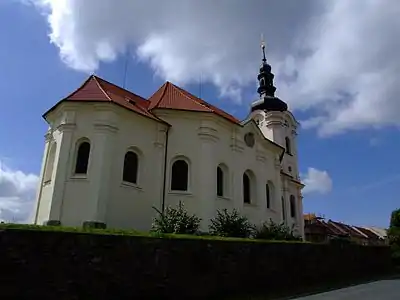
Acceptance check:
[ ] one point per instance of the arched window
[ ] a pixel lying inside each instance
(180, 176)
(50, 162)
(246, 188)
(82, 158)
(288, 146)
(220, 182)
(268, 195)
(292, 206)
(283, 209)
(249, 187)
(131, 164)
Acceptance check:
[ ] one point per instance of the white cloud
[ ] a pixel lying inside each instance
(17, 194)
(337, 59)
(317, 181)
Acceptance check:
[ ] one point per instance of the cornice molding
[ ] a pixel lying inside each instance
(100, 127)
(260, 156)
(48, 136)
(66, 127)
(208, 133)
(237, 145)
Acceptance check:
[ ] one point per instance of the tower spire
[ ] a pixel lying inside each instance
(266, 87)
(265, 77)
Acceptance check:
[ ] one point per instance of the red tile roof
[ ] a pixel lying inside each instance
(168, 96)
(96, 89)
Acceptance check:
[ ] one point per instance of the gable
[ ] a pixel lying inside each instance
(252, 127)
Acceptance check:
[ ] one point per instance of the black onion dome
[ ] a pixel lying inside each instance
(270, 104)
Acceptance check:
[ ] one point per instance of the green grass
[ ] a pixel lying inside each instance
(124, 232)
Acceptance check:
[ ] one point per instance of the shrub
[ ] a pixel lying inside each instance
(175, 220)
(231, 225)
(273, 231)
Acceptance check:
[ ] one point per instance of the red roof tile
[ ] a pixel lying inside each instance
(100, 90)
(170, 96)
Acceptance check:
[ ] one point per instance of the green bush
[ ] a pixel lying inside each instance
(273, 231)
(175, 220)
(231, 224)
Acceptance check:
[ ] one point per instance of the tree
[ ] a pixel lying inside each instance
(394, 235)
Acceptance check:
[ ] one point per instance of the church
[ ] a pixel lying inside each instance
(111, 156)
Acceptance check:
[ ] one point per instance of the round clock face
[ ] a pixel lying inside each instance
(249, 139)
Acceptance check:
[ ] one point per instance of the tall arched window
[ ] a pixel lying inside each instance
(283, 209)
(180, 176)
(292, 206)
(288, 146)
(246, 188)
(131, 164)
(50, 162)
(220, 182)
(82, 158)
(268, 195)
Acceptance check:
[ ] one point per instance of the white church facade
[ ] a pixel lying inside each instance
(111, 156)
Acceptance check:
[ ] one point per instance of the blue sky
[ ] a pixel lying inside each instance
(361, 163)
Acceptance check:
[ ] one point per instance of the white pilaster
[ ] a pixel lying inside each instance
(61, 171)
(208, 169)
(100, 170)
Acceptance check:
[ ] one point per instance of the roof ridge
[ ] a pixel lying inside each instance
(165, 85)
(117, 86)
(101, 88)
(79, 88)
(180, 90)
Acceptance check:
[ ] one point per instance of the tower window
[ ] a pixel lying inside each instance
(82, 158)
(130, 171)
(288, 146)
(180, 176)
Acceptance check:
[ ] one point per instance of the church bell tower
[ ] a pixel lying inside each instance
(271, 114)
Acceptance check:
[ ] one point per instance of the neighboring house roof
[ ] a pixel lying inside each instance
(170, 96)
(348, 229)
(379, 231)
(370, 234)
